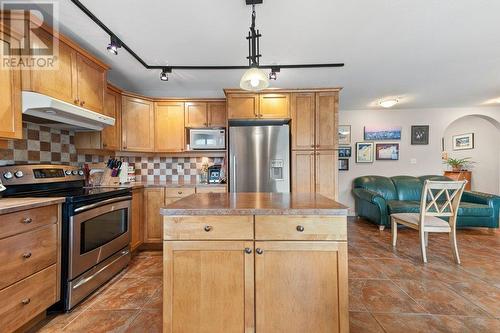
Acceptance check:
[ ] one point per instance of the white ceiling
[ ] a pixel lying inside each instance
(434, 53)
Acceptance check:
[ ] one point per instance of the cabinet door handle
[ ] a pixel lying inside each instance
(27, 255)
(27, 220)
(248, 250)
(26, 301)
(179, 192)
(300, 228)
(208, 228)
(259, 250)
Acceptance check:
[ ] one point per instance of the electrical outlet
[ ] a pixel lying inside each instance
(413, 161)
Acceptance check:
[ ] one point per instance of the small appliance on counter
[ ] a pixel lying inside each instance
(214, 174)
(207, 139)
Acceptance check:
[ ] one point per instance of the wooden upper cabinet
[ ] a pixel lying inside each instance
(169, 126)
(326, 120)
(60, 83)
(303, 171)
(217, 114)
(243, 106)
(137, 124)
(10, 94)
(208, 286)
(326, 173)
(312, 303)
(303, 119)
(196, 114)
(111, 135)
(91, 80)
(274, 106)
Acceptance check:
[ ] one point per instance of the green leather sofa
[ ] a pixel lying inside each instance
(378, 197)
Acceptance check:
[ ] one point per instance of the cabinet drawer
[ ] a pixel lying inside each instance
(286, 227)
(208, 227)
(27, 298)
(180, 192)
(25, 254)
(22, 221)
(210, 189)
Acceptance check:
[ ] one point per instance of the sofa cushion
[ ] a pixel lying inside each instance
(381, 185)
(408, 187)
(465, 208)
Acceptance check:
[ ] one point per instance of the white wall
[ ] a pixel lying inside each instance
(486, 152)
(428, 157)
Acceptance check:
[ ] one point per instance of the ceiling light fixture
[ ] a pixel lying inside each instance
(114, 45)
(388, 103)
(253, 67)
(273, 75)
(164, 73)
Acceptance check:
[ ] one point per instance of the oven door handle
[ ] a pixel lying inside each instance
(102, 203)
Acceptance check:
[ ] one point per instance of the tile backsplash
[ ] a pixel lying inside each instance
(41, 144)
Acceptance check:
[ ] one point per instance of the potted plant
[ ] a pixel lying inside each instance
(458, 164)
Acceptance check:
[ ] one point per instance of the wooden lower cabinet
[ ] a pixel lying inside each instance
(216, 285)
(327, 173)
(208, 286)
(303, 180)
(154, 199)
(315, 171)
(136, 218)
(299, 287)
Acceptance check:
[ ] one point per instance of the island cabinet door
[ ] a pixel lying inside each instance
(301, 287)
(208, 286)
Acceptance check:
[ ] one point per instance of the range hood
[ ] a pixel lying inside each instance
(51, 112)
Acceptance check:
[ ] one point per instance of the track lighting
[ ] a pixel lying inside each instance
(114, 45)
(272, 75)
(164, 73)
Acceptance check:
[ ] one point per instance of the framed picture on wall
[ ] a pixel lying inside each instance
(463, 141)
(364, 152)
(343, 164)
(382, 133)
(345, 152)
(344, 134)
(420, 135)
(387, 151)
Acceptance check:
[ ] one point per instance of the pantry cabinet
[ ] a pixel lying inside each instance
(138, 124)
(10, 92)
(314, 127)
(169, 127)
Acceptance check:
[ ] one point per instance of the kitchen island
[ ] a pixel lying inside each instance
(255, 262)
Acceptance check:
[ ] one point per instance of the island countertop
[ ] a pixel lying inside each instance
(255, 204)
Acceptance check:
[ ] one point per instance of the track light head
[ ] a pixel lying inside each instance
(273, 75)
(164, 73)
(114, 45)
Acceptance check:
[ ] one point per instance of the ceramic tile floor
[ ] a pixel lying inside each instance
(389, 290)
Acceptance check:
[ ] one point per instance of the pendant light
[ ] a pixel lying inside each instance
(254, 78)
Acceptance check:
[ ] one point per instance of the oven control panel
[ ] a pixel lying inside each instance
(39, 173)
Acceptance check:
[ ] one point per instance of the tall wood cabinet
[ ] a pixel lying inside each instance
(137, 124)
(10, 92)
(314, 142)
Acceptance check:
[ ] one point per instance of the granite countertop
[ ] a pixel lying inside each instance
(134, 185)
(10, 205)
(255, 204)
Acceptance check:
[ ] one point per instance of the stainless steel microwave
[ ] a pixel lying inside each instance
(213, 139)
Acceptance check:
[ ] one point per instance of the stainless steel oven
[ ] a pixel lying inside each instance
(99, 236)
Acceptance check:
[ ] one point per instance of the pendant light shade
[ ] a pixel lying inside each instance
(254, 79)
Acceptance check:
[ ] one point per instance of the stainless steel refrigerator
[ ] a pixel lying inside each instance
(259, 158)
